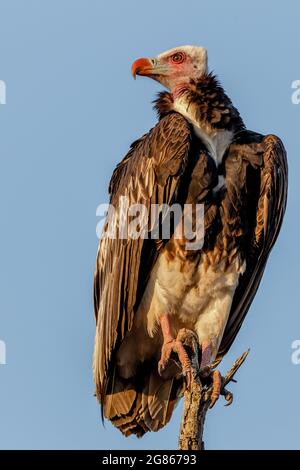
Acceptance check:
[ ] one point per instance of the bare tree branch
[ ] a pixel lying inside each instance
(197, 398)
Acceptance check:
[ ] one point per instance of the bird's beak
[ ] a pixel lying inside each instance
(147, 68)
(144, 67)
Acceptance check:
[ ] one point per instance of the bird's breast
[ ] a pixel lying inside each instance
(190, 289)
(216, 140)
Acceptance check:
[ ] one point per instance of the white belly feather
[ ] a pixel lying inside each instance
(196, 297)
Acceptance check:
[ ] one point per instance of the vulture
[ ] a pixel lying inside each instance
(149, 290)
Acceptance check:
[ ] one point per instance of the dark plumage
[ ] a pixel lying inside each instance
(171, 164)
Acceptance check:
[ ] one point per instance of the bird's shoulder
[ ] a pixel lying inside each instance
(164, 150)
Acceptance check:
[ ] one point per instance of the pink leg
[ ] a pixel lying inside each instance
(170, 344)
(206, 349)
(166, 328)
(205, 370)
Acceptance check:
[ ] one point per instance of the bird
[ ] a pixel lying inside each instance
(150, 290)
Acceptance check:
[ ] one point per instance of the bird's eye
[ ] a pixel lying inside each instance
(178, 57)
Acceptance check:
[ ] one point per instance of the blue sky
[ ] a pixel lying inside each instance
(72, 110)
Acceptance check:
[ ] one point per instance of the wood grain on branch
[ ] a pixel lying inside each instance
(197, 398)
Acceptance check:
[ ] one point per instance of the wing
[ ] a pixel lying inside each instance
(151, 173)
(270, 204)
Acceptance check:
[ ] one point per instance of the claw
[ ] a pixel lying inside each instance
(216, 382)
(228, 396)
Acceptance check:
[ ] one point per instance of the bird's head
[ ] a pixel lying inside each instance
(174, 67)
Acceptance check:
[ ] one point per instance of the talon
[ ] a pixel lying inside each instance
(228, 396)
(229, 400)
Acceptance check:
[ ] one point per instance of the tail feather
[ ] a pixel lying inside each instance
(159, 389)
(141, 404)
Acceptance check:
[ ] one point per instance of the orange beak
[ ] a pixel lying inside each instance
(142, 67)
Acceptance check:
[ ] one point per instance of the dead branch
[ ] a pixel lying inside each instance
(197, 398)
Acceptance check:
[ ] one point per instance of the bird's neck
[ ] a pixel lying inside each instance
(203, 101)
(206, 106)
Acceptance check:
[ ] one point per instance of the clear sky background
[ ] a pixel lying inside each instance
(72, 110)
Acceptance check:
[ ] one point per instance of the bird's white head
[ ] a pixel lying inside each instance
(174, 67)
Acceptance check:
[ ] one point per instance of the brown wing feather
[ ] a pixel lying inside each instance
(271, 204)
(151, 173)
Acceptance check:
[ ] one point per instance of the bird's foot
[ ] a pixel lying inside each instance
(214, 378)
(168, 366)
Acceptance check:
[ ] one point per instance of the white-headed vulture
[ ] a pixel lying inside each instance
(148, 289)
